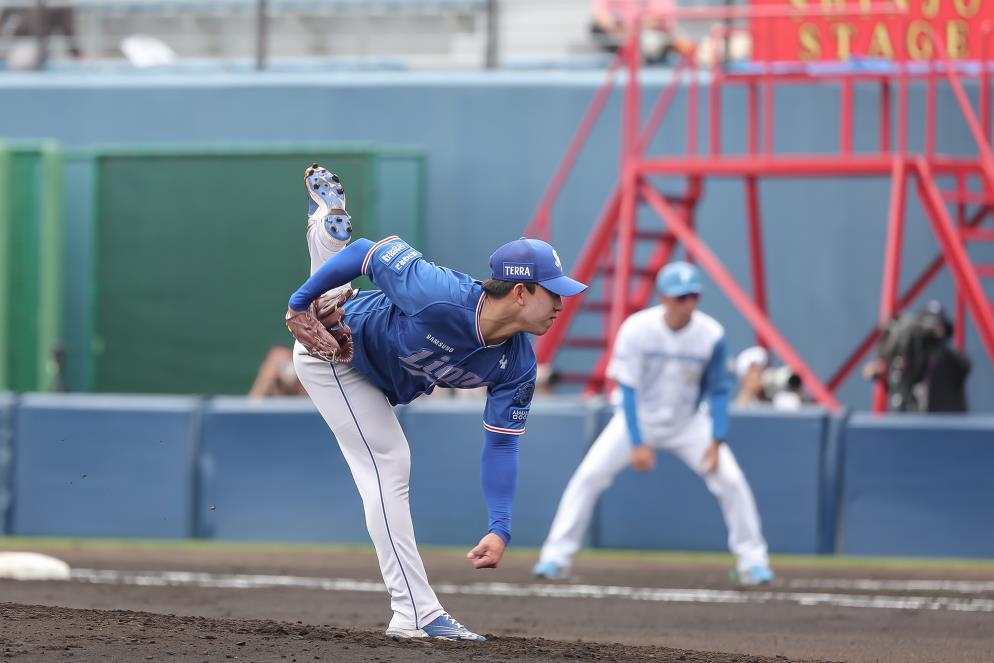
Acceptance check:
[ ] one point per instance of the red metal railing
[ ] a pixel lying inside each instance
(610, 251)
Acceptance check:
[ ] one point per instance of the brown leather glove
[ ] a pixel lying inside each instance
(328, 310)
(321, 329)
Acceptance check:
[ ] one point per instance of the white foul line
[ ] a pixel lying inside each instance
(959, 586)
(657, 594)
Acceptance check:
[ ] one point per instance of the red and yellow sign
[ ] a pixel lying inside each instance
(850, 28)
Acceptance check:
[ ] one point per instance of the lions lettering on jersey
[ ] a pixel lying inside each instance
(440, 370)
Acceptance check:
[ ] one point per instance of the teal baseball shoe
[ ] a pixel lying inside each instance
(551, 570)
(755, 575)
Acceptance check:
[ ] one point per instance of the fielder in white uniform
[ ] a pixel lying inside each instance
(666, 360)
(426, 326)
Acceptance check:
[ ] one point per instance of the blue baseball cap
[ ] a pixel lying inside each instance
(533, 261)
(678, 278)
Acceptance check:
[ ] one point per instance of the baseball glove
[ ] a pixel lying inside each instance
(321, 328)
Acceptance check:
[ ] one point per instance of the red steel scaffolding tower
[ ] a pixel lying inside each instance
(628, 287)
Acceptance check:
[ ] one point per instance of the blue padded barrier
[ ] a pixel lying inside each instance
(446, 438)
(918, 485)
(104, 466)
(6, 458)
(831, 481)
(781, 454)
(273, 471)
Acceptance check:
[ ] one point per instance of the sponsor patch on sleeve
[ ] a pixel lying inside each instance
(405, 259)
(519, 414)
(393, 250)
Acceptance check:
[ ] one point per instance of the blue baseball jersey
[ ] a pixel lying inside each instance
(422, 330)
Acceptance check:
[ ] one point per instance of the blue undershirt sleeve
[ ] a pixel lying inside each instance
(499, 477)
(630, 408)
(714, 383)
(337, 270)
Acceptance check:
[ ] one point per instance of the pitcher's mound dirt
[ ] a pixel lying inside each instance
(42, 633)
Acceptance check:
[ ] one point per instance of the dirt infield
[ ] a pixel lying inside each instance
(206, 604)
(119, 635)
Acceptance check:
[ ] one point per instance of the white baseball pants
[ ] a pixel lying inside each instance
(611, 453)
(377, 452)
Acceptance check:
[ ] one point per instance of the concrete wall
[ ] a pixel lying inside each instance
(492, 140)
(232, 469)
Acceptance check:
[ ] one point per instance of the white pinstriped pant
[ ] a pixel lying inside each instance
(611, 453)
(377, 452)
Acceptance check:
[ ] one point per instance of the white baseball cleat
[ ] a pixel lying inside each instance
(326, 202)
(443, 627)
(324, 189)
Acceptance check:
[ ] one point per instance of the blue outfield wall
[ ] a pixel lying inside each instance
(782, 456)
(6, 459)
(104, 466)
(235, 469)
(272, 470)
(446, 444)
(918, 483)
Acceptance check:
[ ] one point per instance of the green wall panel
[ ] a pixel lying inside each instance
(5, 262)
(32, 249)
(400, 175)
(197, 252)
(78, 268)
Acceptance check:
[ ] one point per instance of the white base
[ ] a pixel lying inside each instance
(32, 566)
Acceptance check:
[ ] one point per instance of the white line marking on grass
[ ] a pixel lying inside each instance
(959, 586)
(662, 595)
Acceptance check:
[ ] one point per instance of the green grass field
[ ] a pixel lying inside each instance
(718, 559)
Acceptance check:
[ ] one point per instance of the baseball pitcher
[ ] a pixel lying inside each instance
(360, 354)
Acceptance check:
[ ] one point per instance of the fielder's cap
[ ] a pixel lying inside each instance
(678, 278)
(533, 261)
(754, 356)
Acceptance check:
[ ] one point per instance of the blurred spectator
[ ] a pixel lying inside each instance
(276, 376)
(759, 384)
(715, 48)
(19, 31)
(921, 371)
(749, 367)
(660, 36)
